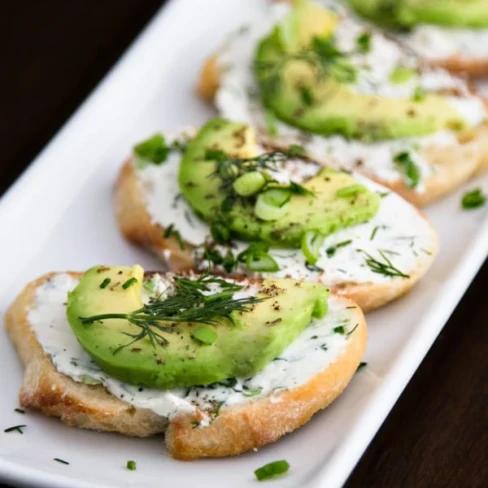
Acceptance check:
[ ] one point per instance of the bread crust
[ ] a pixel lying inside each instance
(472, 151)
(235, 430)
(54, 394)
(136, 226)
(472, 67)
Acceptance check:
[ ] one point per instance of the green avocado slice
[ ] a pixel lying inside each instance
(408, 13)
(314, 91)
(315, 207)
(194, 353)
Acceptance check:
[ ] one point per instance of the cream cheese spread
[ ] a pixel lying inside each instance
(438, 42)
(317, 347)
(397, 230)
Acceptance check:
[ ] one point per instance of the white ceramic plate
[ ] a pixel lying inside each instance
(59, 217)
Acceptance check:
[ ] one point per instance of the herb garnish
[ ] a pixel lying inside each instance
(156, 150)
(187, 303)
(385, 268)
(363, 42)
(332, 250)
(411, 171)
(129, 283)
(271, 470)
(15, 428)
(105, 283)
(131, 465)
(172, 232)
(473, 199)
(361, 366)
(62, 461)
(19, 410)
(323, 56)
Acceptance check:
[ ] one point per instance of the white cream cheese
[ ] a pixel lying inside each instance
(317, 347)
(237, 99)
(401, 232)
(435, 42)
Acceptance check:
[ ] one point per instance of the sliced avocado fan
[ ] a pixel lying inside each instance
(227, 183)
(149, 343)
(310, 84)
(408, 13)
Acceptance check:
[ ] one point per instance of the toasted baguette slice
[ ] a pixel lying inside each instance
(452, 163)
(237, 428)
(137, 226)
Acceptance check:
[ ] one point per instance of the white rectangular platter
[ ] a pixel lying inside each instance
(58, 216)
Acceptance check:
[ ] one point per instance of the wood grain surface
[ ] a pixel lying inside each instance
(54, 52)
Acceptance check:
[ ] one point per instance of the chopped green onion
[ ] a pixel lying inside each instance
(205, 335)
(261, 262)
(220, 232)
(339, 329)
(363, 42)
(406, 163)
(321, 308)
(62, 461)
(129, 283)
(271, 122)
(350, 190)
(306, 95)
(19, 410)
(131, 465)
(105, 283)
(361, 366)
(297, 151)
(271, 204)
(252, 392)
(419, 94)
(15, 428)
(473, 199)
(154, 150)
(249, 183)
(401, 74)
(271, 470)
(312, 243)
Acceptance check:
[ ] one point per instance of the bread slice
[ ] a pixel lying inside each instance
(236, 429)
(138, 227)
(452, 163)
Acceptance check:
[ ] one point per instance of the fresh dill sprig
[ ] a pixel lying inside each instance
(228, 168)
(384, 267)
(322, 55)
(189, 301)
(171, 231)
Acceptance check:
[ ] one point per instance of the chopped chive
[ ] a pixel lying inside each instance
(171, 231)
(473, 199)
(411, 171)
(330, 251)
(419, 94)
(15, 428)
(363, 42)
(204, 335)
(375, 230)
(306, 95)
(154, 150)
(129, 283)
(352, 330)
(252, 392)
(271, 470)
(351, 190)
(271, 123)
(62, 461)
(131, 465)
(339, 329)
(19, 410)
(105, 283)
(361, 366)
(323, 346)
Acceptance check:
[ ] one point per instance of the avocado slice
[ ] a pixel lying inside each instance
(317, 208)
(315, 92)
(195, 354)
(408, 13)
(453, 13)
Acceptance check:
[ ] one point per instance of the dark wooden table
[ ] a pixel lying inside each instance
(52, 55)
